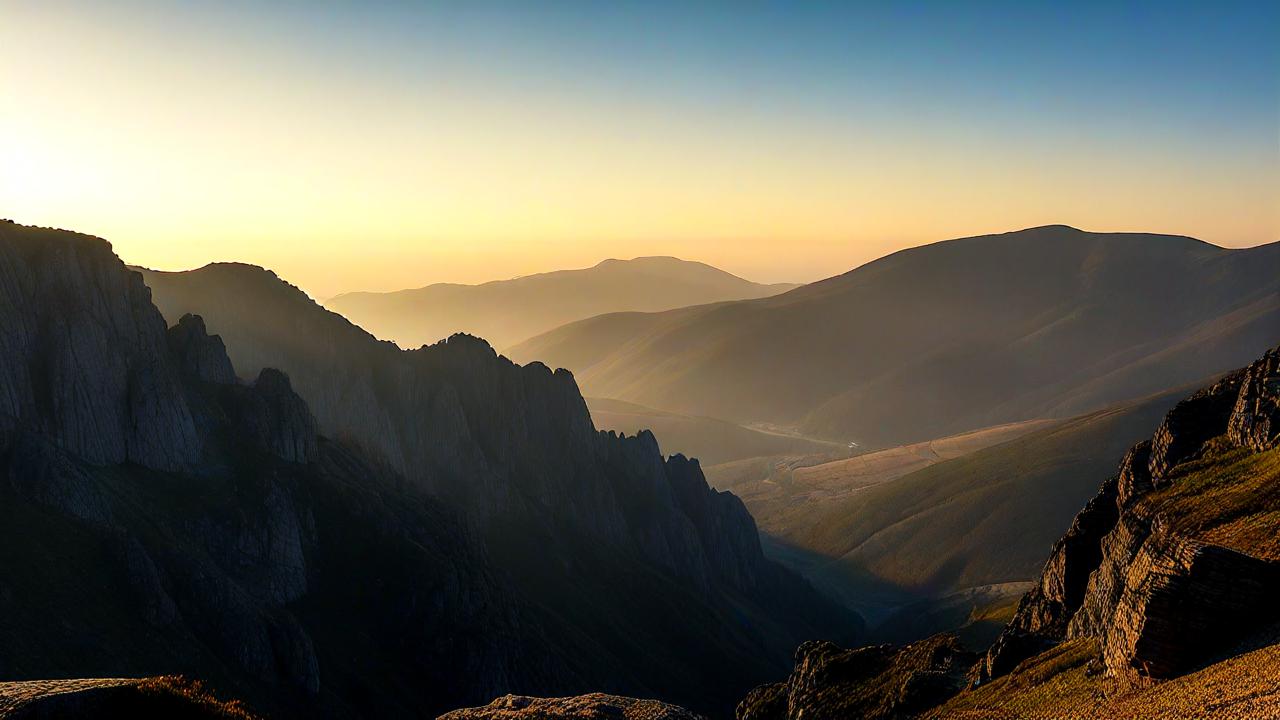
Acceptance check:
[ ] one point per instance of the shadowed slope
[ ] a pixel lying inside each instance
(954, 336)
(642, 567)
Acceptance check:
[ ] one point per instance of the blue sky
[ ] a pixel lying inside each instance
(471, 140)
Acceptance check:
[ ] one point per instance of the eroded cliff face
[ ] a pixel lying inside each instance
(559, 505)
(347, 528)
(85, 356)
(157, 515)
(1171, 562)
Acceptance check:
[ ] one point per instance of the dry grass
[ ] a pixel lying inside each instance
(884, 465)
(1060, 685)
(168, 688)
(787, 492)
(1229, 497)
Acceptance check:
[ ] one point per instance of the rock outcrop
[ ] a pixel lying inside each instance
(85, 353)
(1163, 572)
(595, 706)
(158, 697)
(278, 420)
(1255, 418)
(198, 353)
(874, 683)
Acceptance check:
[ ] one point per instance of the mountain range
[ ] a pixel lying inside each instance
(623, 548)
(270, 499)
(944, 338)
(505, 312)
(1158, 601)
(254, 491)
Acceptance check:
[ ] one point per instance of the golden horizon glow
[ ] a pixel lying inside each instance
(181, 150)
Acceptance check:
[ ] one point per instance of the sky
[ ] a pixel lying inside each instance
(380, 145)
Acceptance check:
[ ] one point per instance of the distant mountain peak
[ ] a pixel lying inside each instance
(507, 311)
(649, 260)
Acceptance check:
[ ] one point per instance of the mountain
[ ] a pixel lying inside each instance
(368, 532)
(1157, 602)
(158, 516)
(655, 582)
(505, 312)
(940, 339)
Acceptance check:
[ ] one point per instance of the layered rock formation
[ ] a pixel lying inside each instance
(1173, 560)
(1172, 568)
(559, 505)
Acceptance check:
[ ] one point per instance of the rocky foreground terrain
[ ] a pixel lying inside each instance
(158, 697)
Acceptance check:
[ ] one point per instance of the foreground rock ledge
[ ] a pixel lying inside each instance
(582, 707)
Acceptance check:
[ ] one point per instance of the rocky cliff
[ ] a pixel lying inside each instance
(85, 358)
(1171, 571)
(1176, 558)
(631, 550)
(156, 515)
(347, 528)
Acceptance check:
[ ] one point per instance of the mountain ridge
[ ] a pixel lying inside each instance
(356, 530)
(943, 338)
(507, 311)
(558, 504)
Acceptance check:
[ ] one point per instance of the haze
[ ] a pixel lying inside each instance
(385, 146)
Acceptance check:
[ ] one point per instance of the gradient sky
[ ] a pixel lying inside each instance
(389, 145)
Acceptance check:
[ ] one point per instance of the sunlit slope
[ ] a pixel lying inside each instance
(508, 311)
(1060, 683)
(954, 336)
(710, 440)
(979, 519)
(786, 493)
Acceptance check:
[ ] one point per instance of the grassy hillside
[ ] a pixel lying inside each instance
(786, 493)
(984, 518)
(1062, 683)
(1228, 497)
(505, 312)
(944, 338)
